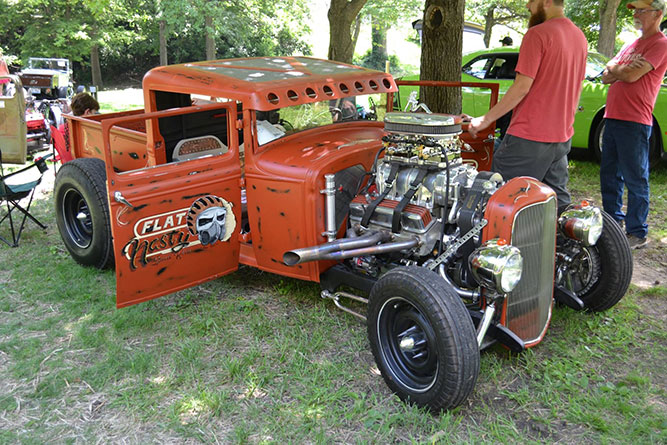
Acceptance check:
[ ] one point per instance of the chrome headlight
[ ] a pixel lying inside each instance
(582, 223)
(497, 265)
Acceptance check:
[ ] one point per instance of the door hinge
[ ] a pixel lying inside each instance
(239, 124)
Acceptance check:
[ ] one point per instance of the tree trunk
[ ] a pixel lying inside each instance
(441, 53)
(95, 65)
(489, 21)
(607, 39)
(343, 28)
(210, 38)
(379, 40)
(163, 42)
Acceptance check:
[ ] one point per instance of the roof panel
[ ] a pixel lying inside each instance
(266, 82)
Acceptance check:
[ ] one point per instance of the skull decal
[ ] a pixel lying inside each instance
(212, 219)
(211, 225)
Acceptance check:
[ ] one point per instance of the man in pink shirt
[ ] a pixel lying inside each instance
(544, 97)
(635, 75)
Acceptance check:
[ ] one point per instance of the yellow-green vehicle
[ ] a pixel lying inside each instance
(497, 65)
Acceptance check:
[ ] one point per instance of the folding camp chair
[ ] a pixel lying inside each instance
(12, 194)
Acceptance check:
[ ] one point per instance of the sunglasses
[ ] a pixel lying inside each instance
(642, 11)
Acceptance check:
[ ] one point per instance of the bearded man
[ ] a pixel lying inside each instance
(544, 97)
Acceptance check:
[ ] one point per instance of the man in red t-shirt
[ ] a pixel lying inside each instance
(635, 75)
(544, 97)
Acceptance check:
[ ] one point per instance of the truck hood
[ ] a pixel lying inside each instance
(294, 156)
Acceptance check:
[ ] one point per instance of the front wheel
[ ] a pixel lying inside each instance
(599, 275)
(422, 338)
(82, 212)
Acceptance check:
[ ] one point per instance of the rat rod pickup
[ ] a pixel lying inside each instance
(285, 165)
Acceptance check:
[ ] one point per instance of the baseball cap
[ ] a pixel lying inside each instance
(507, 40)
(649, 4)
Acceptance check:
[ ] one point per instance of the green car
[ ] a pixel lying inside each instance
(497, 65)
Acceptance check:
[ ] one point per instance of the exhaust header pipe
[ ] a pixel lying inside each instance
(348, 248)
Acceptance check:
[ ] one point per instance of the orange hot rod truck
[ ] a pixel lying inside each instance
(285, 166)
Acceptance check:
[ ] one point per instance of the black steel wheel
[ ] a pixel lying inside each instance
(82, 212)
(422, 338)
(600, 275)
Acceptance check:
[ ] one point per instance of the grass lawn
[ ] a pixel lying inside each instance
(258, 358)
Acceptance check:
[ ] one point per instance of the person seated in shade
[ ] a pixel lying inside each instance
(83, 104)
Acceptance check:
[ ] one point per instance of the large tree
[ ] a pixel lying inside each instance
(600, 20)
(607, 36)
(442, 43)
(343, 28)
(382, 15)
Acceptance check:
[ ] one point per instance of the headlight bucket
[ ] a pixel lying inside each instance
(582, 223)
(497, 265)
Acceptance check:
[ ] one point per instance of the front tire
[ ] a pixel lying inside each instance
(82, 212)
(600, 275)
(422, 338)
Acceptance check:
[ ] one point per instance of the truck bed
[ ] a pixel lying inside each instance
(128, 140)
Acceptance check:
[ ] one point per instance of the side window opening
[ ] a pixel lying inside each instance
(190, 136)
(478, 68)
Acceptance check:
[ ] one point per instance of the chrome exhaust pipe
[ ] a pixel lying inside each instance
(371, 250)
(315, 253)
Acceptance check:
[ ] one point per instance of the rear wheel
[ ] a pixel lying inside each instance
(600, 275)
(422, 338)
(82, 212)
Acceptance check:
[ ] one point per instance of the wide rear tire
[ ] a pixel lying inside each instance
(82, 212)
(600, 275)
(422, 338)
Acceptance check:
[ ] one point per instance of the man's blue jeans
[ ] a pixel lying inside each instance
(625, 147)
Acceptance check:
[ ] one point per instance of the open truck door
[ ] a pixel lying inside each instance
(12, 120)
(176, 225)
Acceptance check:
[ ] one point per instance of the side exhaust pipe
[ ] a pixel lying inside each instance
(348, 248)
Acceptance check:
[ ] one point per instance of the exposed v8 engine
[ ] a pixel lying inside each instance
(423, 182)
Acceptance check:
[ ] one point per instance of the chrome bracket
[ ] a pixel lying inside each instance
(336, 299)
(485, 323)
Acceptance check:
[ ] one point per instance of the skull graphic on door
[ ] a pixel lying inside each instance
(212, 219)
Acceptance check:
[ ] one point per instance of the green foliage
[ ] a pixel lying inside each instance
(389, 12)
(511, 13)
(127, 31)
(585, 14)
(373, 61)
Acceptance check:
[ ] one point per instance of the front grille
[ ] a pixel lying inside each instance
(529, 304)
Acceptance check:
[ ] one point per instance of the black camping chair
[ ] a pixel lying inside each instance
(12, 194)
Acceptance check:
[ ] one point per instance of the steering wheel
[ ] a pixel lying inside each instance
(336, 114)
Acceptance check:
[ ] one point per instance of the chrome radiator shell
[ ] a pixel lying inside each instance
(524, 212)
(529, 305)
